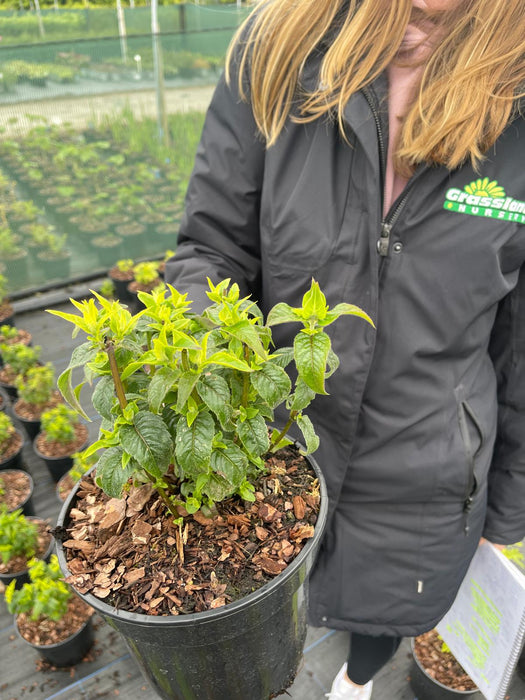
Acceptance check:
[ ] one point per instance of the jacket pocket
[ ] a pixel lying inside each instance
(473, 440)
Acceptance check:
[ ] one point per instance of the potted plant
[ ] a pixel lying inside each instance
(16, 490)
(436, 674)
(21, 539)
(9, 335)
(108, 248)
(162, 264)
(49, 617)
(6, 309)
(121, 274)
(11, 443)
(61, 435)
(17, 359)
(36, 394)
(54, 258)
(145, 279)
(12, 253)
(81, 465)
(211, 511)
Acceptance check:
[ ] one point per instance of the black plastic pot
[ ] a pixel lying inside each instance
(57, 466)
(22, 577)
(68, 652)
(4, 400)
(248, 650)
(121, 290)
(27, 505)
(427, 688)
(31, 427)
(15, 461)
(9, 389)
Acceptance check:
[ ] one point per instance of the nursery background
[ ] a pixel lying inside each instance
(101, 107)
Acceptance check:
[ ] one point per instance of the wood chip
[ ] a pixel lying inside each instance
(271, 566)
(115, 511)
(268, 513)
(140, 531)
(261, 533)
(299, 507)
(86, 547)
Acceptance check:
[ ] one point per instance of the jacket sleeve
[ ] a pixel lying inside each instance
(505, 523)
(219, 235)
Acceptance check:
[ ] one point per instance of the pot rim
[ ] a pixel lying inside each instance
(464, 693)
(29, 479)
(205, 616)
(53, 458)
(5, 461)
(56, 645)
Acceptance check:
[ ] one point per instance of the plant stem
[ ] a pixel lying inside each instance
(117, 381)
(289, 423)
(162, 493)
(245, 379)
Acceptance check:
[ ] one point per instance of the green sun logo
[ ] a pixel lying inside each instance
(485, 188)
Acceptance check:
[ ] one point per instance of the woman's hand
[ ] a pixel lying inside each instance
(501, 547)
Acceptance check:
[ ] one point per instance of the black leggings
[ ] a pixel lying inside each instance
(368, 655)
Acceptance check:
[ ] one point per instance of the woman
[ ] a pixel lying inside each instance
(378, 147)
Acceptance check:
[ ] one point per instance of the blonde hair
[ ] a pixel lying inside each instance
(468, 90)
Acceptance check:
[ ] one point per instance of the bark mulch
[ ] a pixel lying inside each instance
(44, 631)
(130, 553)
(441, 665)
(16, 487)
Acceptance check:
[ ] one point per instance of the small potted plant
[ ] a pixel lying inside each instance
(134, 237)
(145, 279)
(12, 253)
(81, 465)
(61, 435)
(11, 443)
(194, 477)
(162, 264)
(436, 674)
(16, 490)
(21, 539)
(107, 289)
(49, 617)
(36, 393)
(7, 312)
(107, 247)
(17, 359)
(121, 274)
(10, 335)
(54, 258)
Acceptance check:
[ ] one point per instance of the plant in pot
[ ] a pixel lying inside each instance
(21, 539)
(121, 274)
(162, 264)
(436, 674)
(21, 212)
(54, 258)
(9, 335)
(12, 253)
(145, 279)
(11, 443)
(48, 617)
(81, 465)
(36, 393)
(108, 248)
(16, 490)
(7, 312)
(206, 511)
(61, 435)
(17, 359)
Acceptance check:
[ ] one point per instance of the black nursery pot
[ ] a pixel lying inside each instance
(57, 466)
(250, 649)
(15, 461)
(27, 506)
(22, 577)
(427, 688)
(68, 652)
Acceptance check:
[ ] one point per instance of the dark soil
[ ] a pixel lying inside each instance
(117, 274)
(59, 449)
(16, 486)
(45, 631)
(13, 445)
(19, 563)
(441, 665)
(31, 411)
(6, 311)
(130, 553)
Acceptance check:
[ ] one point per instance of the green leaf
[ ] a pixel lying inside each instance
(230, 463)
(282, 313)
(253, 433)
(306, 427)
(103, 397)
(272, 383)
(314, 303)
(347, 310)
(71, 393)
(247, 333)
(111, 475)
(226, 359)
(148, 441)
(247, 491)
(192, 504)
(302, 396)
(194, 443)
(282, 357)
(187, 382)
(217, 488)
(161, 382)
(215, 393)
(311, 354)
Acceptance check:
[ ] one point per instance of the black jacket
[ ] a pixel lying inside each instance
(425, 421)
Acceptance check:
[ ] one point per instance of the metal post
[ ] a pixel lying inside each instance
(162, 117)
(39, 17)
(122, 32)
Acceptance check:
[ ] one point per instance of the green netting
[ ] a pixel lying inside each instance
(94, 156)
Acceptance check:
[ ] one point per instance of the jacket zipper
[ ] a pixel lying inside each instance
(383, 243)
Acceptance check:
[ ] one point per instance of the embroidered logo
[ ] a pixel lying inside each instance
(485, 198)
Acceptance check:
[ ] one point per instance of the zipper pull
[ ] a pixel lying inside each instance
(384, 240)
